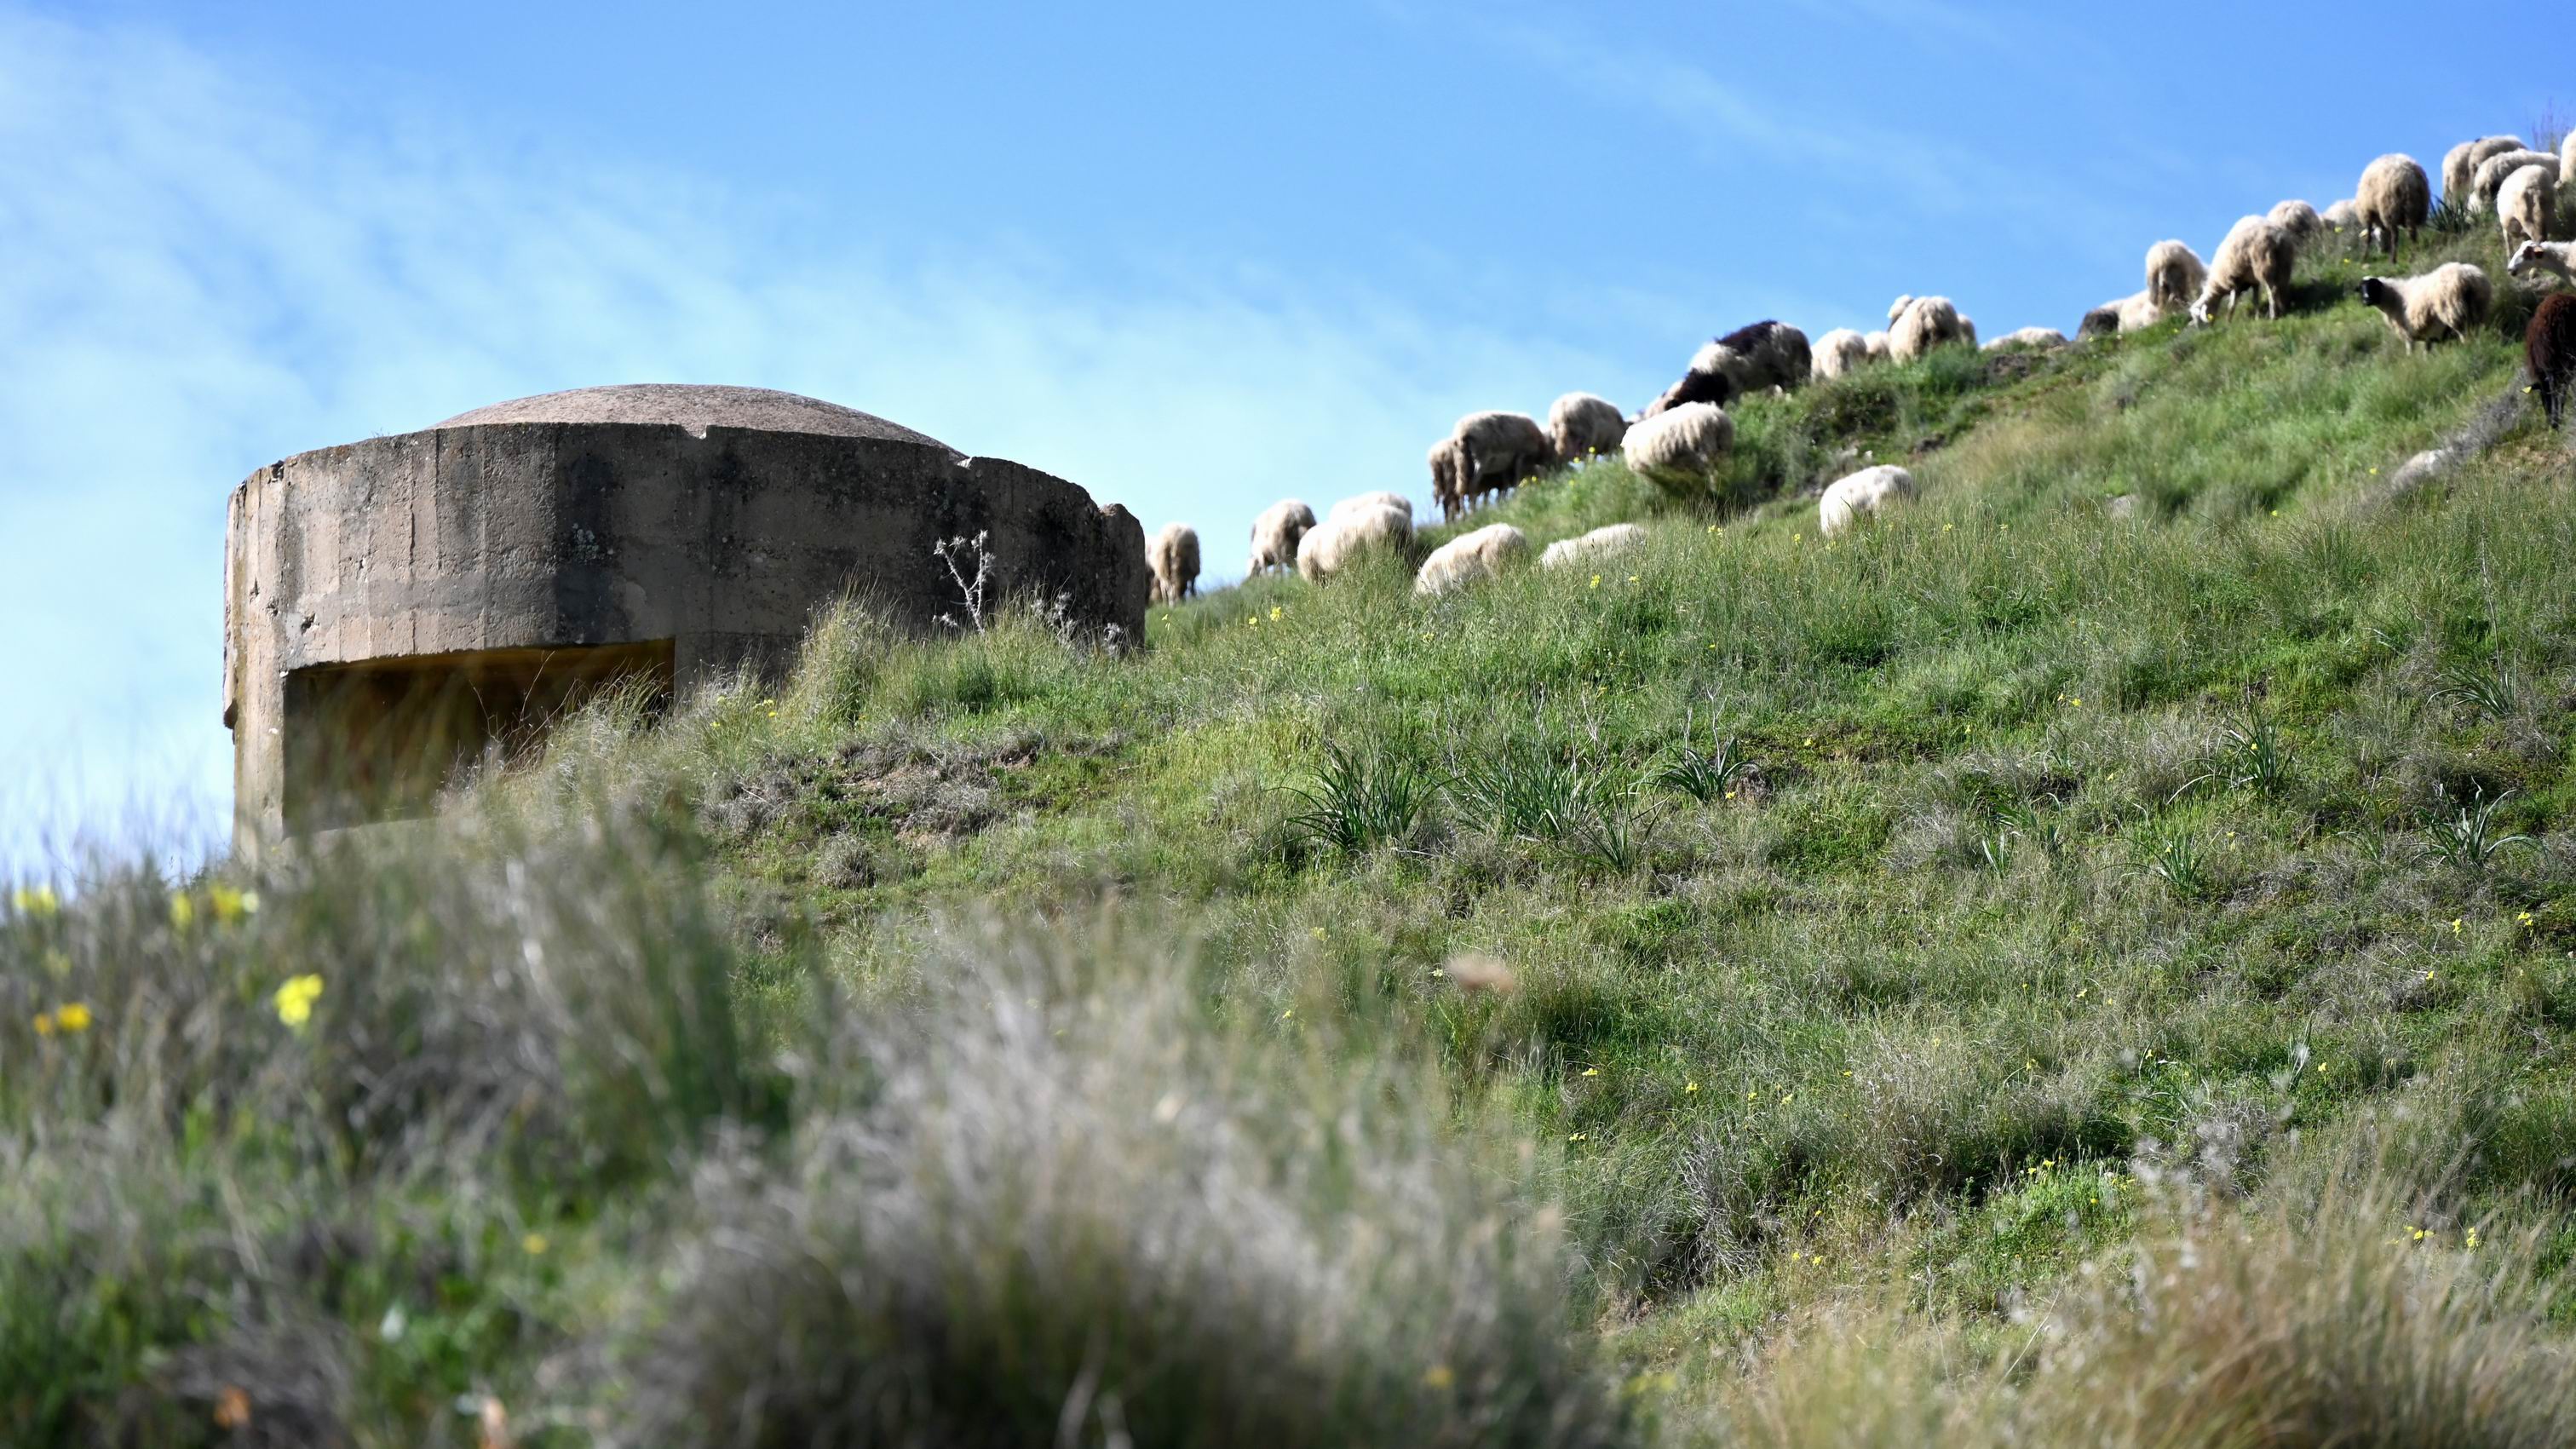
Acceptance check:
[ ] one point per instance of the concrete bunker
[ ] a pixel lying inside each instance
(399, 609)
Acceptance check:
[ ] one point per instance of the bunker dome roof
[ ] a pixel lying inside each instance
(696, 407)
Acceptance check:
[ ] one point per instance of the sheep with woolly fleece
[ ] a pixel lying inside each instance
(1897, 308)
(2133, 313)
(2460, 163)
(1866, 491)
(1928, 322)
(1680, 450)
(2525, 203)
(2174, 275)
(1877, 344)
(1492, 452)
(2102, 321)
(1331, 546)
(2567, 160)
(2394, 195)
(2028, 337)
(2549, 349)
(1762, 356)
(1581, 425)
(1275, 534)
(1447, 458)
(1477, 554)
(1592, 547)
(2255, 254)
(2541, 256)
(2446, 301)
(1840, 352)
(2297, 218)
(1711, 387)
(2339, 216)
(2493, 171)
(1380, 499)
(1173, 557)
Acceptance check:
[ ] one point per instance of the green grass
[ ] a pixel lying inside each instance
(2014, 972)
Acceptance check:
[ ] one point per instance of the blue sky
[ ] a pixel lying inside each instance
(1194, 258)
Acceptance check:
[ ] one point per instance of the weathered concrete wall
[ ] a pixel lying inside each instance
(724, 539)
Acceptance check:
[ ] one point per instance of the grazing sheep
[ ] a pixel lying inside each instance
(1581, 426)
(1839, 352)
(1681, 448)
(2493, 171)
(1968, 329)
(1504, 450)
(1599, 544)
(2255, 254)
(1275, 534)
(2525, 202)
(1174, 559)
(2446, 301)
(2133, 313)
(1479, 554)
(1447, 459)
(2461, 163)
(2102, 321)
(2339, 216)
(2175, 274)
(1331, 546)
(2539, 256)
(1380, 499)
(1866, 491)
(1877, 343)
(1764, 355)
(2297, 218)
(2567, 160)
(1927, 322)
(2029, 337)
(2394, 196)
(2549, 347)
(1714, 388)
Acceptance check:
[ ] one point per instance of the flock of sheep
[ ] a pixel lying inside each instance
(1682, 435)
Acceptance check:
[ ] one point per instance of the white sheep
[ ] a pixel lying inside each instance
(2297, 218)
(1358, 502)
(1877, 344)
(1839, 352)
(1331, 546)
(2567, 160)
(1592, 547)
(2255, 254)
(2525, 203)
(1447, 459)
(1496, 452)
(2339, 216)
(1275, 534)
(1926, 323)
(1680, 448)
(1478, 554)
(2540, 256)
(2175, 274)
(1174, 559)
(2493, 171)
(2461, 163)
(2028, 337)
(1866, 491)
(1582, 426)
(2394, 196)
(1897, 308)
(2445, 301)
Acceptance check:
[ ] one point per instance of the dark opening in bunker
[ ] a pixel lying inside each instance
(377, 740)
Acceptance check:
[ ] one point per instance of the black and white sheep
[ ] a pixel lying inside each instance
(2525, 203)
(2394, 196)
(2493, 171)
(2297, 218)
(2175, 274)
(1477, 554)
(1275, 534)
(2549, 348)
(1680, 448)
(2537, 256)
(2444, 302)
(1173, 557)
(1581, 425)
(2460, 163)
(1765, 355)
(2255, 254)
(1840, 352)
(1867, 491)
(2133, 313)
(1926, 323)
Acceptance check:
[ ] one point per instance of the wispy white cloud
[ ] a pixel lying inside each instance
(207, 273)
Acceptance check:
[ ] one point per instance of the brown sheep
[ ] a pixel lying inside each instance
(2549, 346)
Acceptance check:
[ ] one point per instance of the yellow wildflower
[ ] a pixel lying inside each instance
(35, 900)
(72, 1017)
(44, 1023)
(1437, 1376)
(1690, 1086)
(1275, 611)
(182, 910)
(1596, 581)
(534, 1244)
(230, 905)
(1591, 1071)
(294, 1000)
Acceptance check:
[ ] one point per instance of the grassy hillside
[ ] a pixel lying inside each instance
(2033, 970)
